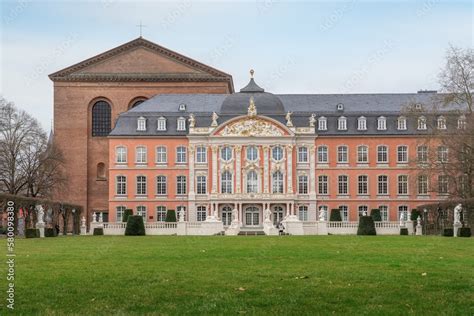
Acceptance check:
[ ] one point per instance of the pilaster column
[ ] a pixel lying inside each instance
(265, 168)
(238, 167)
(191, 171)
(289, 168)
(312, 171)
(214, 168)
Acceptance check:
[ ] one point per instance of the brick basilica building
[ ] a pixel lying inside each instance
(145, 128)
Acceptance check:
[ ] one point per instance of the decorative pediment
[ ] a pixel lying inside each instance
(252, 127)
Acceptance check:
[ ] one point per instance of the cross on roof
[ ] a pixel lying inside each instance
(141, 26)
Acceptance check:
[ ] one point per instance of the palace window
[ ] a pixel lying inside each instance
(277, 153)
(303, 213)
(323, 185)
(362, 123)
(101, 119)
(201, 154)
(121, 185)
(302, 154)
(161, 155)
(161, 185)
(462, 122)
(322, 124)
(344, 210)
(362, 209)
(226, 182)
(201, 213)
(226, 215)
(363, 185)
(423, 184)
(161, 125)
(141, 185)
(140, 154)
(322, 154)
(181, 124)
(161, 213)
(422, 123)
(403, 212)
(277, 182)
(226, 153)
(443, 185)
(441, 122)
(121, 154)
(180, 154)
(342, 154)
(181, 185)
(403, 184)
(362, 154)
(119, 213)
(141, 124)
(201, 185)
(252, 182)
(383, 212)
(303, 184)
(381, 123)
(382, 185)
(141, 211)
(343, 185)
(252, 153)
(402, 123)
(342, 123)
(382, 154)
(422, 154)
(402, 154)
(443, 154)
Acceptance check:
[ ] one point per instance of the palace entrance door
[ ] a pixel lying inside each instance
(252, 216)
(277, 214)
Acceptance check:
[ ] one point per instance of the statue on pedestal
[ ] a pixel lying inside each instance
(267, 213)
(181, 215)
(457, 213)
(234, 215)
(289, 123)
(312, 120)
(40, 210)
(83, 221)
(94, 217)
(402, 220)
(322, 216)
(191, 120)
(214, 119)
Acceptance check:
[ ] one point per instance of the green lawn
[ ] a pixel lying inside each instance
(105, 275)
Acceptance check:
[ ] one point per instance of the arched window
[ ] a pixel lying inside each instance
(277, 153)
(226, 153)
(362, 123)
(101, 119)
(342, 123)
(462, 122)
(441, 122)
(277, 182)
(252, 182)
(136, 102)
(402, 123)
(101, 170)
(252, 153)
(362, 154)
(322, 124)
(226, 182)
(421, 123)
(161, 125)
(381, 123)
(181, 124)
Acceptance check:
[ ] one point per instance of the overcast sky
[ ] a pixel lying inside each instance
(307, 47)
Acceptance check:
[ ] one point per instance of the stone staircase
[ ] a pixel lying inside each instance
(251, 231)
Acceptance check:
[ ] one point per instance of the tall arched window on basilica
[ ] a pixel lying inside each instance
(101, 171)
(101, 119)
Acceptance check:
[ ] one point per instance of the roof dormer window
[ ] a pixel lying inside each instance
(161, 124)
(141, 124)
(322, 123)
(181, 124)
(342, 123)
(422, 123)
(340, 107)
(402, 123)
(441, 122)
(362, 123)
(182, 107)
(382, 123)
(462, 122)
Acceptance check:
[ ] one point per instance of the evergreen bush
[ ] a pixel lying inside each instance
(464, 232)
(126, 214)
(375, 213)
(135, 226)
(404, 231)
(170, 216)
(335, 215)
(50, 232)
(32, 233)
(448, 232)
(414, 215)
(98, 231)
(366, 226)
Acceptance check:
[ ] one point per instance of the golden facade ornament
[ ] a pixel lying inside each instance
(252, 127)
(252, 110)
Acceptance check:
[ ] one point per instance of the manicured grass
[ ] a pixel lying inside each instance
(353, 275)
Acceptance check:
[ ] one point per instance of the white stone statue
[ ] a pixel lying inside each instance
(409, 216)
(312, 120)
(457, 213)
(83, 221)
(289, 123)
(364, 213)
(322, 216)
(94, 217)
(234, 215)
(402, 220)
(40, 210)
(216, 213)
(191, 120)
(101, 217)
(181, 215)
(252, 110)
(418, 221)
(214, 119)
(267, 214)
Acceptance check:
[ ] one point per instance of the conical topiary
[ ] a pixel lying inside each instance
(375, 213)
(366, 226)
(135, 226)
(335, 215)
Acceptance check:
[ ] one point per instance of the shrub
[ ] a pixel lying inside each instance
(32, 233)
(126, 214)
(98, 231)
(135, 226)
(464, 232)
(170, 216)
(414, 215)
(375, 213)
(448, 232)
(3, 230)
(50, 232)
(366, 226)
(404, 231)
(335, 215)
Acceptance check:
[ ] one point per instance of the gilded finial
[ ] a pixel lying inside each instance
(251, 73)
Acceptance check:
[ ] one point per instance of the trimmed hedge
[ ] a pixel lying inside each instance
(404, 231)
(170, 216)
(366, 226)
(464, 232)
(414, 215)
(50, 232)
(375, 213)
(128, 212)
(135, 226)
(32, 233)
(98, 231)
(448, 232)
(335, 215)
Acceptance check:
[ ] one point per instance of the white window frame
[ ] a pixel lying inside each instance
(226, 153)
(342, 123)
(249, 151)
(362, 184)
(302, 154)
(181, 185)
(201, 154)
(382, 153)
(141, 154)
(421, 123)
(201, 184)
(121, 186)
(323, 184)
(401, 123)
(121, 154)
(382, 123)
(277, 153)
(382, 184)
(402, 187)
(181, 155)
(278, 182)
(161, 124)
(303, 183)
(343, 152)
(342, 184)
(161, 213)
(141, 124)
(303, 213)
(362, 123)
(161, 155)
(181, 124)
(323, 154)
(141, 184)
(363, 152)
(226, 182)
(161, 185)
(322, 124)
(402, 154)
(441, 122)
